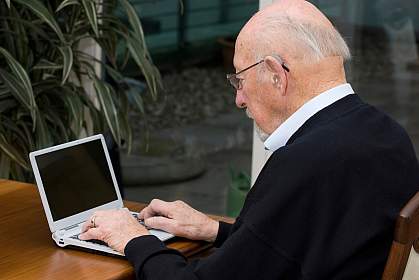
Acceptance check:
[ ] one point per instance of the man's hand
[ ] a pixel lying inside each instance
(115, 227)
(179, 219)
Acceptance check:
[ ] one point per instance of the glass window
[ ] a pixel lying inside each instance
(384, 71)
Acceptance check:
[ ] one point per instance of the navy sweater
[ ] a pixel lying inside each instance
(323, 206)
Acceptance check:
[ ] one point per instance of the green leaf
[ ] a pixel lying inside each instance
(133, 19)
(66, 3)
(28, 135)
(42, 12)
(60, 128)
(90, 10)
(93, 114)
(11, 152)
(18, 71)
(75, 108)
(137, 52)
(20, 37)
(182, 7)
(4, 166)
(42, 133)
(8, 3)
(107, 105)
(67, 53)
(44, 64)
(116, 76)
(19, 92)
(133, 94)
(12, 127)
(46, 86)
(7, 38)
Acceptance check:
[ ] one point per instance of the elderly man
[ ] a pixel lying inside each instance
(325, 203)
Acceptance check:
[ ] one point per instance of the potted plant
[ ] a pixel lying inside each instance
(43, 100)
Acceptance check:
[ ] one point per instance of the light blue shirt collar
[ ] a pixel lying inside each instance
(284, 132)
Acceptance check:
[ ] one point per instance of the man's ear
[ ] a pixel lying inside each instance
(273, 65)
(276, 81)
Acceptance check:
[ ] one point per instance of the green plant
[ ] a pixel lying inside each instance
(237, 192)
(42, 69)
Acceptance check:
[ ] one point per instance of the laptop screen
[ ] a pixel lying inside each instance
(76, 179)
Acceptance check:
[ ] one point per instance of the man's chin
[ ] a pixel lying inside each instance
(261, 134)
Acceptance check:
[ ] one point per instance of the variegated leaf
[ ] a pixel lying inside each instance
(67, 54)
(11, 152)
(43, 134)
(19, 92)
(90, 10)
(44, 64)
(75, 108)
(134, 20)
(133, 94)
(61, 128)
(19, 73)
(108, 107)
(143, 63)
(25, 128)
(66, 3)
(42, 12)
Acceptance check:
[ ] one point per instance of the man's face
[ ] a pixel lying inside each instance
(256, 93)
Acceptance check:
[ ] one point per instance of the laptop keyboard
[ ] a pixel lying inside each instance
(100, 242)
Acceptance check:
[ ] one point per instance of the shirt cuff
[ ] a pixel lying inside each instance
(223, 233)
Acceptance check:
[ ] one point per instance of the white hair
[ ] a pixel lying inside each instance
(319, 41)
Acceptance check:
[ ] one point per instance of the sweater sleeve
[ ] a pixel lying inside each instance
(242, 256)
(222, 235)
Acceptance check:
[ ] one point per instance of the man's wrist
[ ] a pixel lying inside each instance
(134, 234)
(212, 230)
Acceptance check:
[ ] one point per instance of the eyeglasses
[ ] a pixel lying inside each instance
(236, 82)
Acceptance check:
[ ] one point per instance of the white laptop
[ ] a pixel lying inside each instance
(74, 180)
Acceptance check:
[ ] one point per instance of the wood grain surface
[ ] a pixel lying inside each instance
(27, 250)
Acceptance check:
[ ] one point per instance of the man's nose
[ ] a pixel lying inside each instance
(240, 102)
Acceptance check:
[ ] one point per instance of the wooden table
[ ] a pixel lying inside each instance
(28, 252)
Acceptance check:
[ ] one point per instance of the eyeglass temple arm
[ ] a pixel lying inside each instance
(286, 68)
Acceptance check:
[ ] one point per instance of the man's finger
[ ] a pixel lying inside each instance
(162, 223)
(142, 212)
(88, 224)
(92, 233)
(156, 207)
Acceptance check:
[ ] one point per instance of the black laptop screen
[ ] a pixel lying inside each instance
(76, 179)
